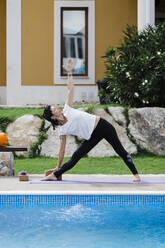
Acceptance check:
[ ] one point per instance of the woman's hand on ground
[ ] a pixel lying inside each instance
(48, 172)
(50, 177)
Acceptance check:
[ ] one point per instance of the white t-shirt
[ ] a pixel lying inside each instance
(78, 123)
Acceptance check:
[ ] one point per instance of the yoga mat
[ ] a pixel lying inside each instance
(99, 181)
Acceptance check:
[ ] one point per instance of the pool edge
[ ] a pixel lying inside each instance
(82, 192)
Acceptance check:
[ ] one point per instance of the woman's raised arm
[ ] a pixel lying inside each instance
(69, 100)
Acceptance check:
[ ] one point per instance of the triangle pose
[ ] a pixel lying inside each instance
(90, 127)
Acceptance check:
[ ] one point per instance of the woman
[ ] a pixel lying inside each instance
(90, 127)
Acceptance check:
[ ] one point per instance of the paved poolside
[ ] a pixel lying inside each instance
(156, 185)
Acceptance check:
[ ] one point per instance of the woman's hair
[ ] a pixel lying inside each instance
(48, 114)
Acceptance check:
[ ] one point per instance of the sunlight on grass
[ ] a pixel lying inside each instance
(111, 165)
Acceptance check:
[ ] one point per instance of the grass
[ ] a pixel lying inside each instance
(114, 165)
(13, 113)
(8, 115)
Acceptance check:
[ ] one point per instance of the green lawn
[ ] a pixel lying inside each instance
(13, 113)
(144, 164)
(8, 115)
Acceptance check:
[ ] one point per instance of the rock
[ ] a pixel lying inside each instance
(118, 116)
(24, 131)
(147, 126)
(103, 148)
(50, 147)
(6, 164)
(4, 170)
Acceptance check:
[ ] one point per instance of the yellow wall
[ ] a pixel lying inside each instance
(112, 16)
(38, 42)
(2, 42)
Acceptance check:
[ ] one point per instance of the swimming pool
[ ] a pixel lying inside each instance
(90, 221)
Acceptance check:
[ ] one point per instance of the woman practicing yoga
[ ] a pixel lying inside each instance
(90, 127)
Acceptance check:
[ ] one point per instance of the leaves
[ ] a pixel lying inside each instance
(137, 66)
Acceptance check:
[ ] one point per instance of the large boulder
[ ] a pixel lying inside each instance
(23, 131)
(147, 126)
(50, 147)
(118, 116)
(103, 148)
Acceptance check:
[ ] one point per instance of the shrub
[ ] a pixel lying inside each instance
(136, 69)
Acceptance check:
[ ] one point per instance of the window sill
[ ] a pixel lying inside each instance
(75, 77)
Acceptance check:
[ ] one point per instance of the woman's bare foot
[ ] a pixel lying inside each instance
(50, 177)
(137, 178)
(48, 172)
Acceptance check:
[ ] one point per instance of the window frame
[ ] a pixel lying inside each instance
(86, 39)
(78, 80)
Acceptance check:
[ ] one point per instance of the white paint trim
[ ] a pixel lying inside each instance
(150, 12)
(13, 50)
(18, 94)
(91, 41)
(146, 13)
(52, 95)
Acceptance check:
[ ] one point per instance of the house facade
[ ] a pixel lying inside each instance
(37, 37)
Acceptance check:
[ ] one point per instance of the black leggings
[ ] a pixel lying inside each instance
(103, 130)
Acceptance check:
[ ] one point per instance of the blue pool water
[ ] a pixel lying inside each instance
(82, 221)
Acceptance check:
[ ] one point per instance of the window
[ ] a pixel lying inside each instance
(159, 11)
(74, 36)
(72, 48)
(80, 48)
(80, 45)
